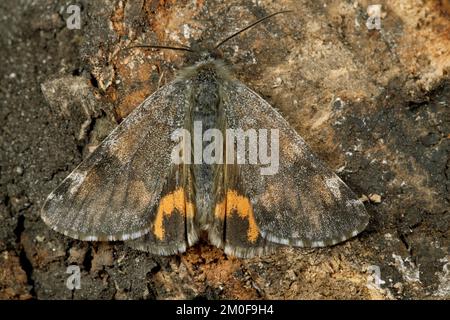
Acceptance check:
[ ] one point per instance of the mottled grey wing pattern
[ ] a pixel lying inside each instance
(305, 204)
(115, 193)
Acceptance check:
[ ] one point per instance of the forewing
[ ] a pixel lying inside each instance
(304, 203)
(115, 193)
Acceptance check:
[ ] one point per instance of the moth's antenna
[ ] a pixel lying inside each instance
(249, 26)
(160, 47)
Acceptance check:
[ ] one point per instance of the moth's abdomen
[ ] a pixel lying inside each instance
(205, 114)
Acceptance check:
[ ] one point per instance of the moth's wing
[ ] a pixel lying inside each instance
(127, 186)
(302, 204)
(234, 227)
(173, 226)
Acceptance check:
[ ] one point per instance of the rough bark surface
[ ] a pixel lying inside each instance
(373, 104)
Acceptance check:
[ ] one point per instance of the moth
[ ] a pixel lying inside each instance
(129, 189)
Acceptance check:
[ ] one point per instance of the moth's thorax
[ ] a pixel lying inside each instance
(201, 67)
(205, 93)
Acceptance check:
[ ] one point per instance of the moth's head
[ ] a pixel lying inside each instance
(203, 51)
(206, 50)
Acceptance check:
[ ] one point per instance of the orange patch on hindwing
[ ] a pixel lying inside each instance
(167, 205)
(234, 202)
